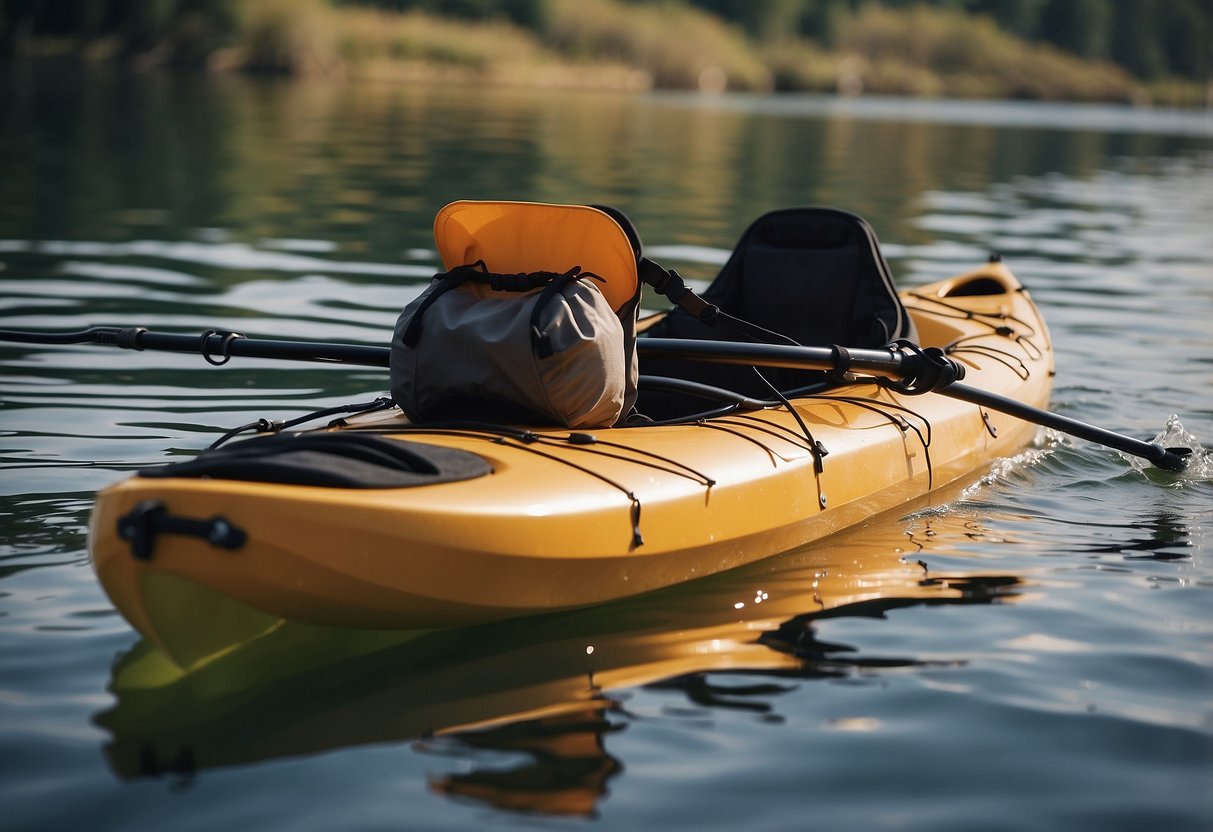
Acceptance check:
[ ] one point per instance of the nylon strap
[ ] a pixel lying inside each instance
(669, 283)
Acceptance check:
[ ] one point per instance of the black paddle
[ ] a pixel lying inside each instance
(911, 370)
(920, 371)
(216, 346)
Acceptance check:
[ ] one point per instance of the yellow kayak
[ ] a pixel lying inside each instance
(491, 523)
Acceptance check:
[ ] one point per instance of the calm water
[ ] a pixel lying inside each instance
(1034, 653)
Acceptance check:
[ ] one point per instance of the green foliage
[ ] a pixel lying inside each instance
(1149, 39)
(1018, 17)
(927, 51)
(184, 30)
(1078, 26)
(1189, 37)
(764, 19)
(523, 12)
(952, 47)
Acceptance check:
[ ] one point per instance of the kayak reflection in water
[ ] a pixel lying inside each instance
(547, 687)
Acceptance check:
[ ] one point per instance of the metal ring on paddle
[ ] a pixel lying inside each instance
(225, 346)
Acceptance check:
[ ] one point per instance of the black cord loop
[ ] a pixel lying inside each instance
(225, 346)
(927, 371)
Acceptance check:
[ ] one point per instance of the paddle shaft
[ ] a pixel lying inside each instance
(898, 364)
(218, 347)
(883, 362)
(1171, 459)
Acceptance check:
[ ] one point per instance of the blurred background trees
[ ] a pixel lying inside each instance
(799, 42)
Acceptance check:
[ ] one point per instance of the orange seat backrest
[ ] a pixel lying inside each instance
(512, 237)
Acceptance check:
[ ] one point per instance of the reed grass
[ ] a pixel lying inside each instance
(678, 46)
(932, 51)
(912, 50)
(308, 37)
(287, 36)
(368, 36)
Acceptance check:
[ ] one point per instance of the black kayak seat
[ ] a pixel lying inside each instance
(815, 275)
(341, 459)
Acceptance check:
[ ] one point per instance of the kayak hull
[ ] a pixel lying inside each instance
(572, 519)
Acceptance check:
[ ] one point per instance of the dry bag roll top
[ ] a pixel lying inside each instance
(513, 237)
(533, 322)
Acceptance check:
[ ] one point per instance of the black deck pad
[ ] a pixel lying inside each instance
(331, 460)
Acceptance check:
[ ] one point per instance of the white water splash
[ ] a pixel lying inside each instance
(1003, 469)
(999, 471)
(1175, 435)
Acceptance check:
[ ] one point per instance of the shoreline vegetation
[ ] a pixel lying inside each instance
(852, 47)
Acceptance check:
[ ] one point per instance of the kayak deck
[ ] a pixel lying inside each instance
(568, 519)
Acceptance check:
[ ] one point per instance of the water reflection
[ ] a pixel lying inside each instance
(564, 772)
(41, 532)
(1165, 537)
(364, 167)
(544, 688)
